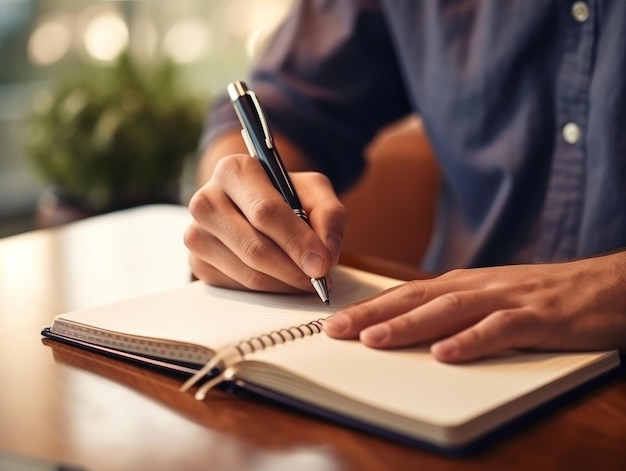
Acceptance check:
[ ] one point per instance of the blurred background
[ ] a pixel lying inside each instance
(74, 73)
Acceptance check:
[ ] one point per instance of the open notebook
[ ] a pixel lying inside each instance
(271, 344)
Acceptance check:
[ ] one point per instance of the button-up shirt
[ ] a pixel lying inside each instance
(524, 103)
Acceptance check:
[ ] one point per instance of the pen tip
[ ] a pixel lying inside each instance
(322, 289)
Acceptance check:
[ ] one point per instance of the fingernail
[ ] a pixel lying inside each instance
(445, 350)
(312, 264)
(333, 242)
(375, 335)
(337, 324)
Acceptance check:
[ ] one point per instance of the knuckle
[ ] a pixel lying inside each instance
(254, 252)
(192, 237)
(451, 303)
(529, 286)
(338, 211)
(365, 315)
(200, 205)
(226, 167)
(474, 337)
(252, 280)
(523, 328)
(510, 321)
(413, 290)
(262, 212)
(293, 243)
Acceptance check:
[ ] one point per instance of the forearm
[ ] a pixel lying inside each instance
(231, 142)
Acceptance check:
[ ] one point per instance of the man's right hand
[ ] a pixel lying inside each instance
(245, 236)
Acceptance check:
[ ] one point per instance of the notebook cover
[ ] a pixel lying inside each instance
(253, 391)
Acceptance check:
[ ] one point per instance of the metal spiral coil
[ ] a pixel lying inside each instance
(229, 356)
(276, 337)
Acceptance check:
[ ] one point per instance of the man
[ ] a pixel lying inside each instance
(525, 107)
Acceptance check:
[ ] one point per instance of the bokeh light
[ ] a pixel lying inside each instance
(49, 42)
(187, 41)
(254, 22)
(106, 36)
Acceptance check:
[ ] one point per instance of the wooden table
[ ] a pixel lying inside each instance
(63, 404)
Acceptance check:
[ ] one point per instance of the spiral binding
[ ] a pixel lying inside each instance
(230, 355)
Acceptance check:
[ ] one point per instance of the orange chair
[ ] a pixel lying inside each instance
(391, 209)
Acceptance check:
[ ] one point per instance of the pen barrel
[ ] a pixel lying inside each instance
(282, 182)
(260, 143)
(265, 151)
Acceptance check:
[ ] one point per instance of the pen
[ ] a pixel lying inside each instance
(258, 138)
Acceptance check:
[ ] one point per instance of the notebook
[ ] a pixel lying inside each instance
(273, 345)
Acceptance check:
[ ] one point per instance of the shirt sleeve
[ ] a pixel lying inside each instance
(328, 80)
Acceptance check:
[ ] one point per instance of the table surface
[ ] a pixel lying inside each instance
(63, 404)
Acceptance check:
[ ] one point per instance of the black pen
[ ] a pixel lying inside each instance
(258, 138)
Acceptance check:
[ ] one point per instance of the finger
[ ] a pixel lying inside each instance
(503, 330)
(215, 277)
(214, 263)
(442, 316)
(210, 275)
(349, 322)
(267, 212)
(217, 219)
(328, 216)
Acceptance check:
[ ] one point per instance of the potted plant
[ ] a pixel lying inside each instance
(113, 137)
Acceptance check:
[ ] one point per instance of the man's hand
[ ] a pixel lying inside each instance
(245, 235)
(473, 313)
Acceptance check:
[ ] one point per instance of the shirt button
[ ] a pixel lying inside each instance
(580, 11)
(571, 133)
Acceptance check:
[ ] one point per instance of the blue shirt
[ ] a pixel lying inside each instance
(524, 103)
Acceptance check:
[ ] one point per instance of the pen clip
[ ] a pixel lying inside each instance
(248, 142)
(259, 111)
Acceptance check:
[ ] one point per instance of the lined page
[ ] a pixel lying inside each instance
(216, 317)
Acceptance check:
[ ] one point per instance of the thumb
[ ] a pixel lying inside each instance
(327, 215)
